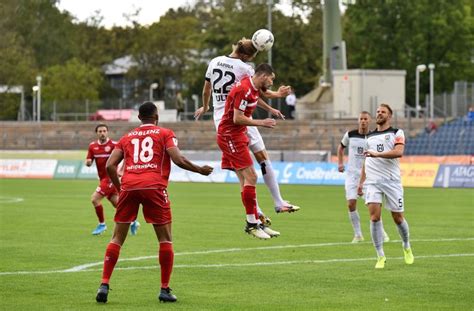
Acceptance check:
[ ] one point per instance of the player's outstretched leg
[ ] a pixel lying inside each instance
(102, 293)
(166, 295)
(281, 206)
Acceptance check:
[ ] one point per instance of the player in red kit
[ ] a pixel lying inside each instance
(233, 141)
(147, 152)
(99, 151)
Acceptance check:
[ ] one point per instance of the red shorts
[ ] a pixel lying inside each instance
(156, 206)
(235, 151)
(106, 188)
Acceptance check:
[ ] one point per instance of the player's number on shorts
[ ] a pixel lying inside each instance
(146, 153)
(226, 86)
(400, 203)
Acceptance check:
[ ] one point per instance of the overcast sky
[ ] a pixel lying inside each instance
(113, 10)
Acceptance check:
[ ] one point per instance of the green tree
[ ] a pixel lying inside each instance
(70, 85)
(400, 34)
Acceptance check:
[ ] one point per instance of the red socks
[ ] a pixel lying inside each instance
(111, 256)
(249, 198)
(166, 258)
(99, 211)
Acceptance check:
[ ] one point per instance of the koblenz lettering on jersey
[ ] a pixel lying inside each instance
(141, 133)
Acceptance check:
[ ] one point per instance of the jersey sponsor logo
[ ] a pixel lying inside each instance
(141, 166)
(243, 104)
(380, 147)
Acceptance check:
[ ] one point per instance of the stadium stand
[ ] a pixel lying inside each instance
(452, 138)
(288, 135)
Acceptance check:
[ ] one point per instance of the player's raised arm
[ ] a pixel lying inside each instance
(115, 158)
(206, 97)
(283, 91)
(180, 160)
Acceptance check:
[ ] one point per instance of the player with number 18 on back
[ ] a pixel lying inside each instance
(148, 151)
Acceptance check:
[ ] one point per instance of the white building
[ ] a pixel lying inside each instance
(357, 90)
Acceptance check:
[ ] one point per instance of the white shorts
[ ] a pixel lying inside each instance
(391, 193)
(255, 139)
(351, 184)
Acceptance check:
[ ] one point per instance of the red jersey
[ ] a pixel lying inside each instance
(242, 96)
(147, 165)
(101, 153)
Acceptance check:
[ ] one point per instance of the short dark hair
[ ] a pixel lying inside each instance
(147, 110)
(264, 69)
(366, 112)
(101, 125)
(388, 108)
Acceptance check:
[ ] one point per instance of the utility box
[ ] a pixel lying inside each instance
(357, 90)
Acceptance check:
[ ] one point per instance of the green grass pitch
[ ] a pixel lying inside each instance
(45, 230)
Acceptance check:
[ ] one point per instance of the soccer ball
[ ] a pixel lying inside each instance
(263, 40)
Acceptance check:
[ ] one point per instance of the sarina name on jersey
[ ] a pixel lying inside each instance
(225, 65)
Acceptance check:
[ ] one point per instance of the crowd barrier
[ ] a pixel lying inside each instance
(305, 173)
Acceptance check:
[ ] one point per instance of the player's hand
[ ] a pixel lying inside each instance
(206, 170)
(199, 113)
(360, 189)
(371, 154)
(284, 90)
(268, 122)
(277, 113)
(340, 168)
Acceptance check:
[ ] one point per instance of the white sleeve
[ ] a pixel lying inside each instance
(209, 71)
(399, 137)
(345, 140)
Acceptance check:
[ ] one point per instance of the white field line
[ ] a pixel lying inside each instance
(85, 267)
(270, 263)
(6, 200)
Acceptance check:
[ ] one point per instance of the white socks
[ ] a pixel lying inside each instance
(404, 232)
(355, 220)
(376, 231)
(271, 182)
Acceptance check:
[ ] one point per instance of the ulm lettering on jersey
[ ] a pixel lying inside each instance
(141, 166)
(221, 98)
(225, 65)
(142, 133)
